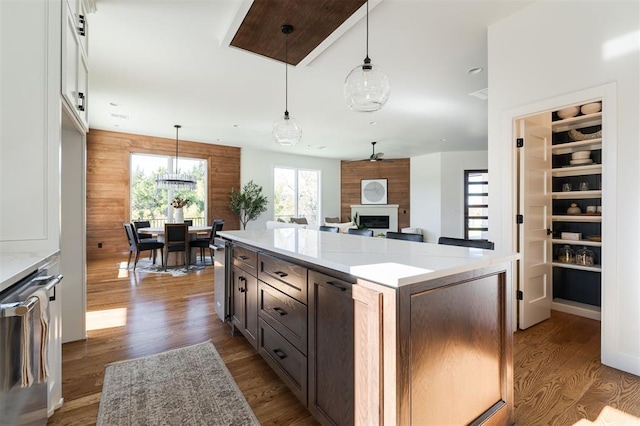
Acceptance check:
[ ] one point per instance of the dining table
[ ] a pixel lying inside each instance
(174, 259)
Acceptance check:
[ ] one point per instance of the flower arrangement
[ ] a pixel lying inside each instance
(179, 203)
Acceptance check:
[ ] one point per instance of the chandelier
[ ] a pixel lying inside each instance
(175, 180)
(366, 88)
(286, 131)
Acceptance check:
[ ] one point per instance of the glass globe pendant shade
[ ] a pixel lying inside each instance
(286, 131)
(366, 88)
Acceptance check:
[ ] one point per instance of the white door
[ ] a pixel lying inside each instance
(534, 272)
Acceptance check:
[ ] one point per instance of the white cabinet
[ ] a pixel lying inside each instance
(578, 183)
(29, 125)
(75, 64)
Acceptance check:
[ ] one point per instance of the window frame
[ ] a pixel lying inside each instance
(467, 206)
(297, 170)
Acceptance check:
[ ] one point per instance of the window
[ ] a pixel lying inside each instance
(476, 204)
(296, 193)
(149, 203)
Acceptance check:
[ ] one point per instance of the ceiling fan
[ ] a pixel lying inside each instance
(376, 156)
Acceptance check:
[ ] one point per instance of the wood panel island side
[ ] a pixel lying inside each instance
(374, 331)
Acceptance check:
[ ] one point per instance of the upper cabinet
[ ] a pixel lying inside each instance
(30, 125)
(75, 62)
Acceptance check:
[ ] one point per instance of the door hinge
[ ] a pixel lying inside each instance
(519, 295)
(519, 142)
(519, 219)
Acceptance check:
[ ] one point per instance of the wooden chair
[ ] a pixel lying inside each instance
(483, 244)
(329, 228)
(364, 232)
(405, 236)
(136, 245)
(176, 238)
(205, 242)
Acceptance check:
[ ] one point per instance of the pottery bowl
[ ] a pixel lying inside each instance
(591, 108)
(581, 155)
(568, 112)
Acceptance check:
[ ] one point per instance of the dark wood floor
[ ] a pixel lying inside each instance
(558, 376)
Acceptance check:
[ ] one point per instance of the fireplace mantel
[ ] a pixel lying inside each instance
(390, 210)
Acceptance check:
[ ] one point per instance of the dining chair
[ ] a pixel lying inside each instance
(176, 238)
(329, 228)
(206, 242)
(405, 236)
(144, 236)
(364, 232)
(136, 245)
(483, 244)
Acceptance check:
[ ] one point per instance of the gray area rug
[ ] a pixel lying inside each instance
(145, 265)
(186, 386)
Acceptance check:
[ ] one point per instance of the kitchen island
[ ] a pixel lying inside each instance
(378, 331)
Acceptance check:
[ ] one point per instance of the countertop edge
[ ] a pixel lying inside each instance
(16, 266)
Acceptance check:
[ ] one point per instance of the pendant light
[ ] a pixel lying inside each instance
(175, 180)
(366, 88)
(286, 131)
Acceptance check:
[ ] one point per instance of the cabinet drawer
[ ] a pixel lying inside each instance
(285, 314)
(287, 277)
(245, 258)
(288, 362)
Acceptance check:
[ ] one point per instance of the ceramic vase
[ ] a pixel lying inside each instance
(179, 215)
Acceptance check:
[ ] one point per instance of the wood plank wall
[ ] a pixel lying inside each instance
(397, 173)
(108, 162)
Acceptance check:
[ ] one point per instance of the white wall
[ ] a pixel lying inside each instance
(426, 189)
(258, 166)
(437, 191)
(555, 48)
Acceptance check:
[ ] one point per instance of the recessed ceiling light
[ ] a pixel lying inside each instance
(113, 104)
(474, 70)
(373, 123)
(321, 147)
(219, 140)
(443, 140)
(237, 126)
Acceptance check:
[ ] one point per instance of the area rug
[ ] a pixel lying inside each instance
(186, 386)
(146, 265)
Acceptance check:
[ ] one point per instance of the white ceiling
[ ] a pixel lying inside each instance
(162, 63)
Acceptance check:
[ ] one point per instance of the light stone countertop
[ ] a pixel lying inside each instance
(15, 266)
(390, 262)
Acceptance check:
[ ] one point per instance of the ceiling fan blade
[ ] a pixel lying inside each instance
(380, 154)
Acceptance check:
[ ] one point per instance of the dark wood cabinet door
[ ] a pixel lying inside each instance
(331, 369)
(244, 304)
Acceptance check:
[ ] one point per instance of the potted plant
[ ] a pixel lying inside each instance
(248, 203)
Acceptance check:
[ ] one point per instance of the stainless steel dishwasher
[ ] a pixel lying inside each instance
(221, 292)
(23, 341)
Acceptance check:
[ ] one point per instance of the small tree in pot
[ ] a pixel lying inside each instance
(249, 203)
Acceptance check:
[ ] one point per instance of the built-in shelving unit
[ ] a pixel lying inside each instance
(576, 287)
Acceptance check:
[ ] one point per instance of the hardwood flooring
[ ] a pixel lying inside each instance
(558, 377)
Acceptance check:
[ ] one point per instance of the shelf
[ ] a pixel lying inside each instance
(575, 195)
(595, 268)
(591, 169)
(577, 218)
(576, 308)
(577, 242)
(577, 122)
(571, 147)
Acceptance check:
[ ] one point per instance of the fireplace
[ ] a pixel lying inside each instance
(381, 217)
(375, 222)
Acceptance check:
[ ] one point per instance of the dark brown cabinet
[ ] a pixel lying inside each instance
(331, 369)
(244, 293)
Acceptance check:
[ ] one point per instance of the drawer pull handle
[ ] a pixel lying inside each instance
(280, 311)
(243, 257)
(281, 274)
(337, 286)
(279, 353)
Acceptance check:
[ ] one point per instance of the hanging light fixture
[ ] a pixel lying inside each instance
(366, 88)
(286, 131)
(175, 180)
